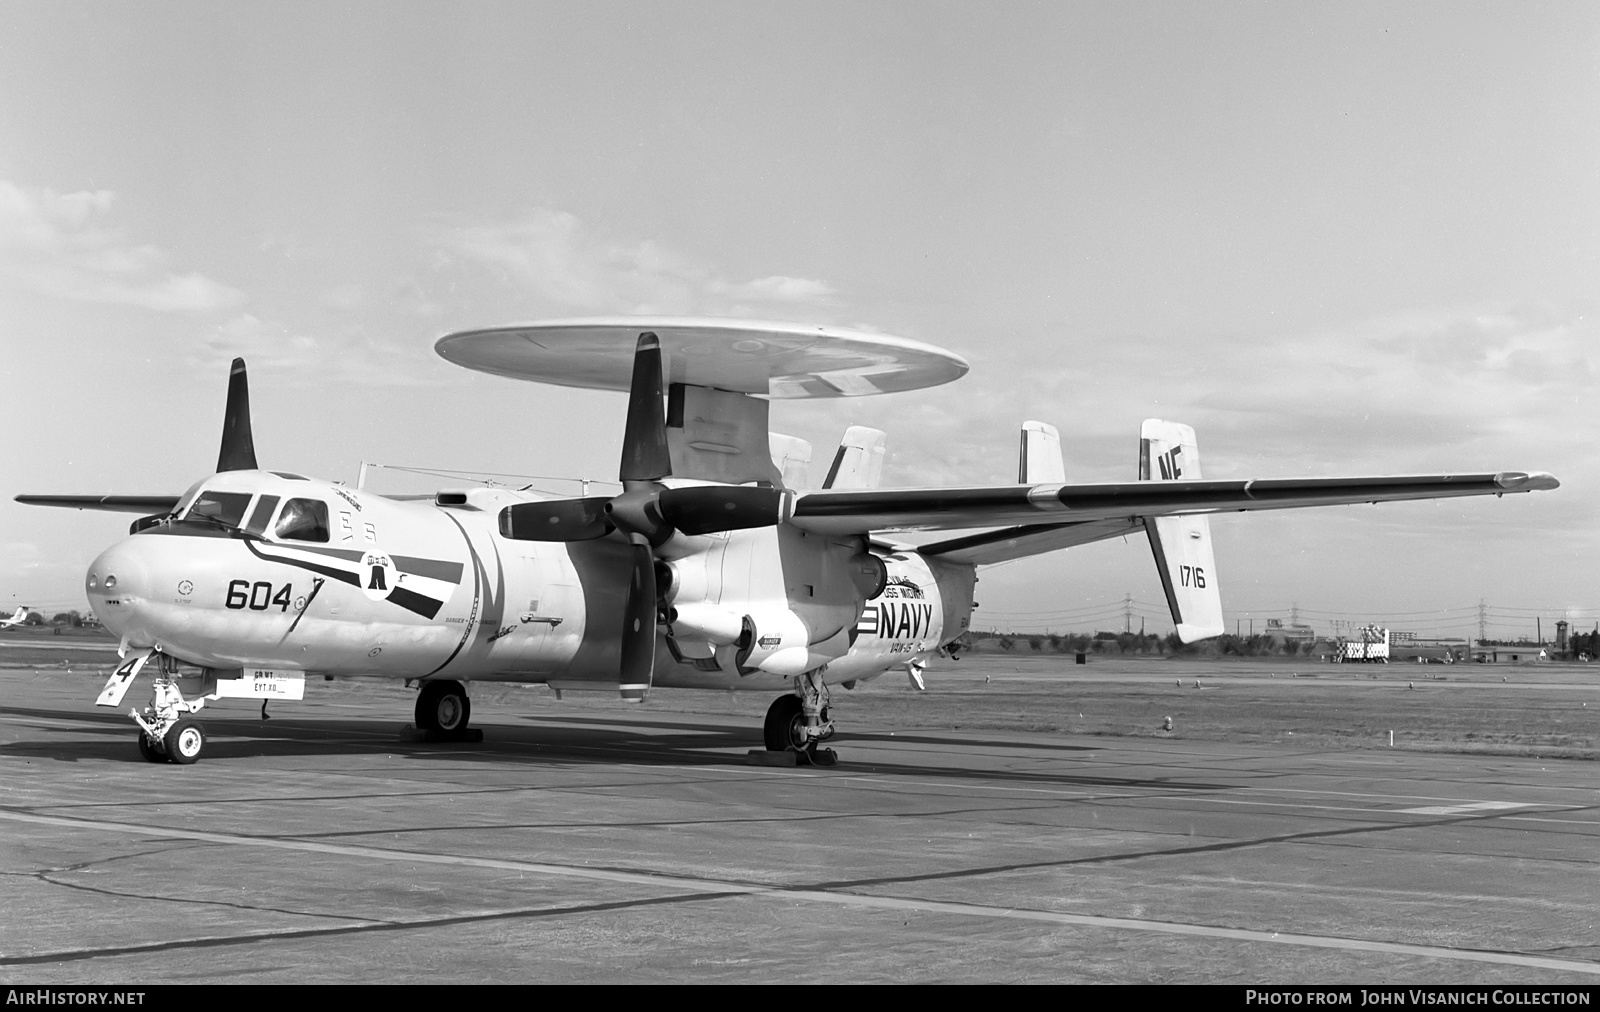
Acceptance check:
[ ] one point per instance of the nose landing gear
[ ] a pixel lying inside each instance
(166, 732)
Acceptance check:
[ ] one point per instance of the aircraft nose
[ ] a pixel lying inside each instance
(118, 581)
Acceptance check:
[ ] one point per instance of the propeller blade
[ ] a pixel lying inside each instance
(638, 662)
(238, 448)
(704, 509)
(645, 457)
(556, 520)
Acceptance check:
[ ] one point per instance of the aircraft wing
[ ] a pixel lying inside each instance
(1069, 506)
(144, 504)
(1007, 543)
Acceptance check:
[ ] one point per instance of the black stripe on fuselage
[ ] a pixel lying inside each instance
(427, 607)
(433, 569)
(311, 567)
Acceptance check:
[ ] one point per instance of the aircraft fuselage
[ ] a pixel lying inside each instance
(269, 571)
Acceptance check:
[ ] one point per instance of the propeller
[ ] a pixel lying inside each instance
(647, 512)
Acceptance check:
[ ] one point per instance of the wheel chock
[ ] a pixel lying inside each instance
(761, 757)
(410, 733)
(823, 757)
(790, 757)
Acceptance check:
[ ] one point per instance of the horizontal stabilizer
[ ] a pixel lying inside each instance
(146, 504)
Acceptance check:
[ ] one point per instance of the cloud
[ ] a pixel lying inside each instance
(555, 259)
(342, 353)
(56, 244)
(261, 343)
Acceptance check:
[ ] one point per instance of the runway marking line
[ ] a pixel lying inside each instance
(1465, 808)
(832, 898)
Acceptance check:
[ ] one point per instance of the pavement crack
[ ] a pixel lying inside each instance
(800, 817)
(1209, 848)
(193, 901)
(252, 938)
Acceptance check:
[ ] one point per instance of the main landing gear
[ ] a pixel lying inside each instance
(443, 710)
(799, 721)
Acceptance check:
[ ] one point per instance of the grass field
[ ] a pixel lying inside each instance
(1547, 709)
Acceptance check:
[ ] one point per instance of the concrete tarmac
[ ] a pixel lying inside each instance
(590, 841)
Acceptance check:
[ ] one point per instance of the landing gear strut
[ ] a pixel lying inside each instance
(797, 722)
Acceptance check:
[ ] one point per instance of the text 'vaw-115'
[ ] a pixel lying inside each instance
(714, 567)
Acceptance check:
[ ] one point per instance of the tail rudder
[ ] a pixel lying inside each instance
(1181, 544)
(1039, 460)
(858, 464)
(791, 455)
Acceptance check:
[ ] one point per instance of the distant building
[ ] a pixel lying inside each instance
(1408, 646)
(1495, 652)
(1295, 633)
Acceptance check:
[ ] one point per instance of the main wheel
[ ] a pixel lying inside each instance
(785, 726)
(184, 742)
(150, 750)
(443, 706)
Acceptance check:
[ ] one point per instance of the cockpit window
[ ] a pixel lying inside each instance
(303, 520)
(261, 514)
(227, 508)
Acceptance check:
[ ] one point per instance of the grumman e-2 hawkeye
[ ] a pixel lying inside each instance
(714, 567)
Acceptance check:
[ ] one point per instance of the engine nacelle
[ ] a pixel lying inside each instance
(776, 643)
(924, 604)
(708, 623)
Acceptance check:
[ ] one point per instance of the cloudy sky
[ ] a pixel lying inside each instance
(1336, 239)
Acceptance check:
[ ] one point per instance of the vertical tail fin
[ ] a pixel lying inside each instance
(792, 456)
(859, 462)
(1039, 460)
(1182, 544)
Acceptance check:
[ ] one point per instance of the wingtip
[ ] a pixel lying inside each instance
(1527, 481)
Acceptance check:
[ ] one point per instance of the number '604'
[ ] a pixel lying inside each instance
(257, 596)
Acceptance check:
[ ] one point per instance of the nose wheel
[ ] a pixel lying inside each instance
(151, 750)
(184, 742)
